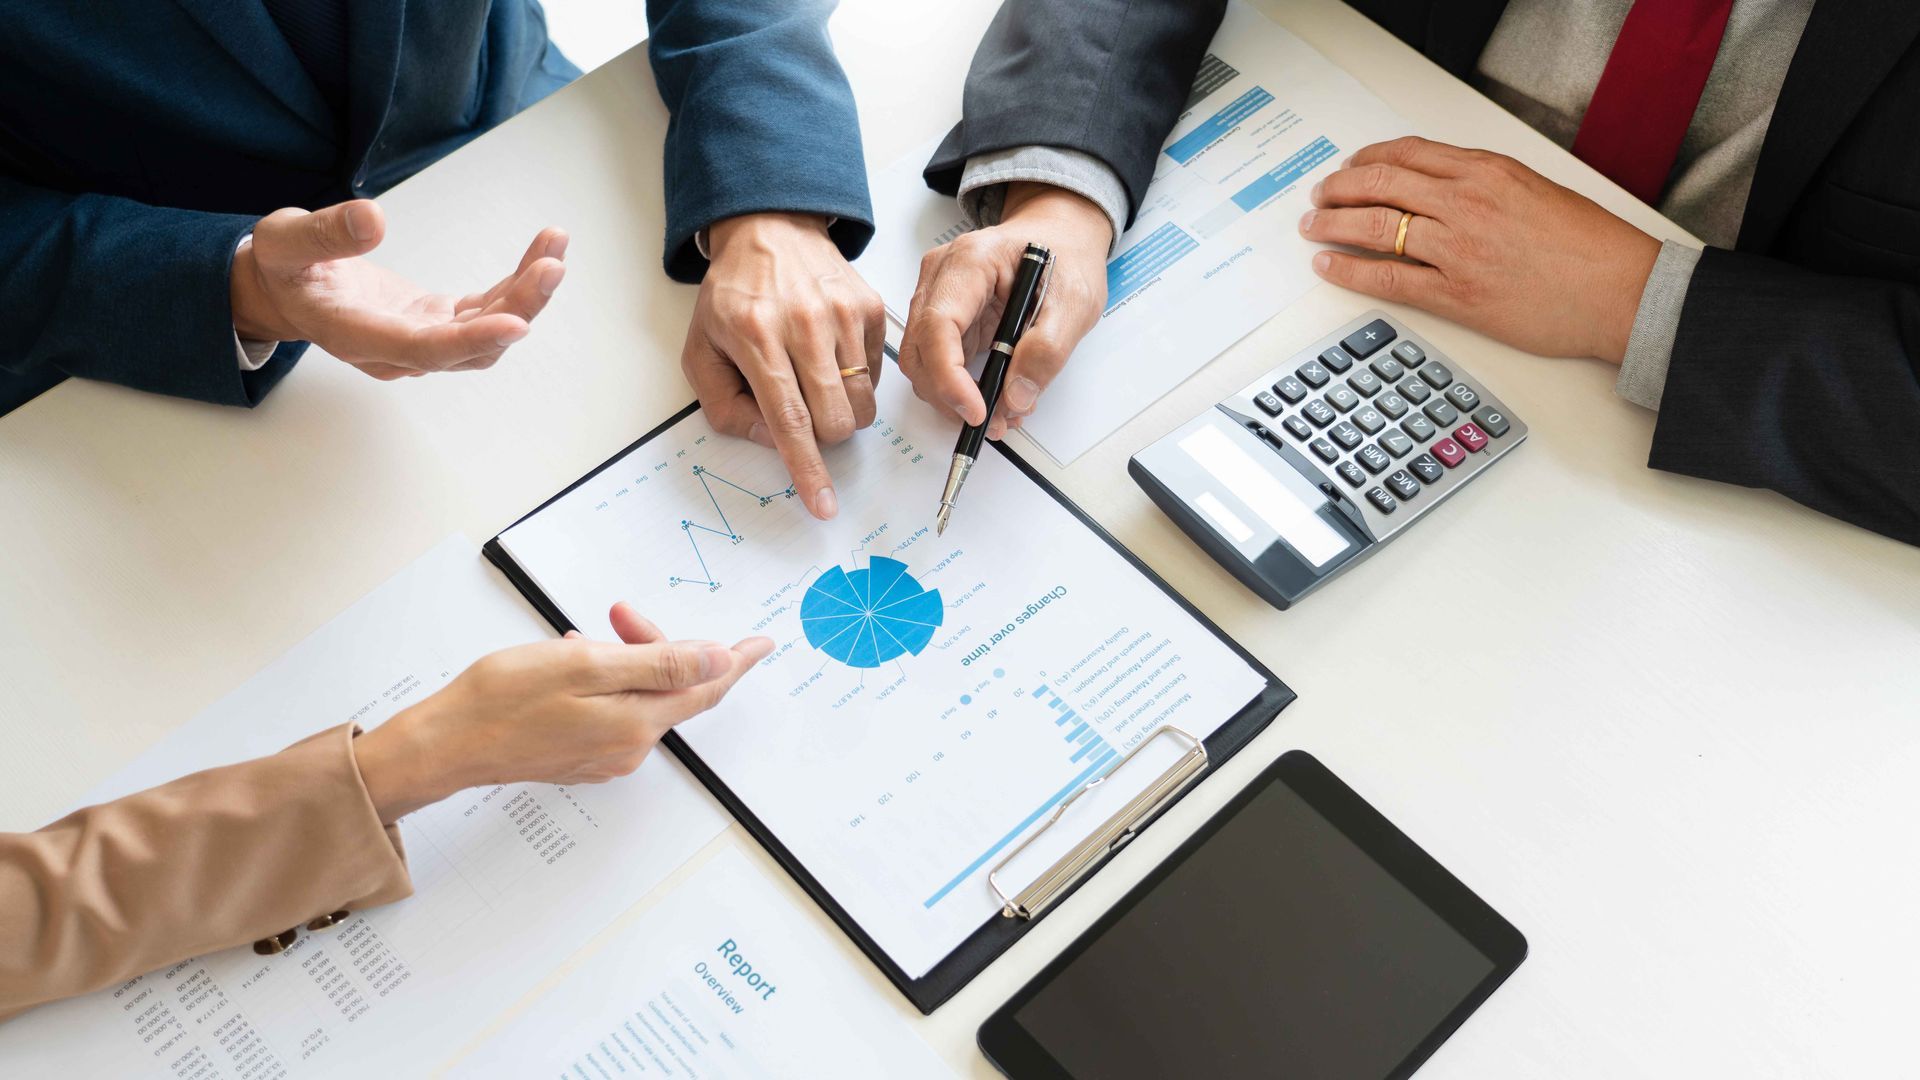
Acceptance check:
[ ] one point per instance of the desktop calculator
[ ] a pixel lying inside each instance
(1315, 464)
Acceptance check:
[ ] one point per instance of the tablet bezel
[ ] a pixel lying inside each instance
(1016, 1053)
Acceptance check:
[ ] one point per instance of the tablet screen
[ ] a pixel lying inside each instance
(1278, 946)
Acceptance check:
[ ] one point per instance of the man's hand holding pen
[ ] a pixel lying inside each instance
(963, 289)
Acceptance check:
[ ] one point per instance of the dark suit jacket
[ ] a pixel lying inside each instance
(140, 140)
(1104, 77)
(1797, 363)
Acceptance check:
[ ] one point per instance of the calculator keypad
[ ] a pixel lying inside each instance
(1386, 420)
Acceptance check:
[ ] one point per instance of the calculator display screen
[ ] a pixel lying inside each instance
(1277, 948)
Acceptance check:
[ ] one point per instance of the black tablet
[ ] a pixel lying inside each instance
(1296, 934)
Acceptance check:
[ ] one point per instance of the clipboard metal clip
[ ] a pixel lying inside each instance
(1109, 837)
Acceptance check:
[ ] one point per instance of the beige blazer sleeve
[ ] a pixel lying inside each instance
(220, 858)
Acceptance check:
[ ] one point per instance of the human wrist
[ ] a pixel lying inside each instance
(1619, 298)
(254, 317)
(764, 230)
(409, 762)
(1057, 209)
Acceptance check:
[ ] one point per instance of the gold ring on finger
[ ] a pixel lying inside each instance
(1400, 238)
(850, 372)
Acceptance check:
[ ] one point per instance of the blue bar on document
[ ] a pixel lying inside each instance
(1088, 735)
(1285, 174)
(1042, 692)
(1057, 703)
(1092, 747)
(1210, 130)
(1075, 733)
(1140, 264)
(1066, 716)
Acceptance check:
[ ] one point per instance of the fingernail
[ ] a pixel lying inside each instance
(550, 279)
(758, 433)
(1347, 162)
(512, 336)
(714, 660)
(557, 247)
(1315, 193)
(1306, 220)
(825, 503)
(360, 221)
(1322, 262)
(1022, 392)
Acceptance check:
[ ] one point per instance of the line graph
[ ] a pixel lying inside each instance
(726, 531)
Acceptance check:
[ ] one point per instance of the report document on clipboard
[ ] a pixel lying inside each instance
(930, 700)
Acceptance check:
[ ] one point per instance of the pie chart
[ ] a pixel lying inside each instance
(864, 618)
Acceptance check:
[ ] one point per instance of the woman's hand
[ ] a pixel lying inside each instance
(570, 711)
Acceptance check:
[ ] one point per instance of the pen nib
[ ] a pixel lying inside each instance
(940, 523)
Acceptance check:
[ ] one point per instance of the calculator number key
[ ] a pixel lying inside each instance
(1440, 412)
(1492, 421)
(1369, 420)
(1388, 368)
(1342, 398)
(1415, 391)
(1364, 383)
(1419, 428)
(1463, 397)
(1396, 443)
(1395, 406)
(1470, 436)
(1403, 484)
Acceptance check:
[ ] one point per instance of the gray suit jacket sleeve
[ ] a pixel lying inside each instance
(1105, 77)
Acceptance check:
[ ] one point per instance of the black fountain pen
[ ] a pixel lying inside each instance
(1023, 305)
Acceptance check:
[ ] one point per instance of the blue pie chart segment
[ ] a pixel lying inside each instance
(864, 618)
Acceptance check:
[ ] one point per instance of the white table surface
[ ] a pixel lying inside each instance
(1667, 727)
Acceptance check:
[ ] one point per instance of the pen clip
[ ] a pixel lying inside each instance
(1039, 294)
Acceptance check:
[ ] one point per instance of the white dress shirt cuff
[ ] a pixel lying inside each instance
(1643, 371)
(251, 355)
(983, 184)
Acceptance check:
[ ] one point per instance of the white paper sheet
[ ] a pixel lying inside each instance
(1215, 250)
(722, 979)
(508, 881)
(929, 698)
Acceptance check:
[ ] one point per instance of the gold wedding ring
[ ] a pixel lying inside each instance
(850, 372)
(1400, 238)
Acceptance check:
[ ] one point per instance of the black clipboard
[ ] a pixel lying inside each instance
(997, 935)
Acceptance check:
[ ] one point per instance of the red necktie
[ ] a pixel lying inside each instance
(1648, 91)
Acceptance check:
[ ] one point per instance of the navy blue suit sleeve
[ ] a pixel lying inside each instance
(762, 120)
(108, 288)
